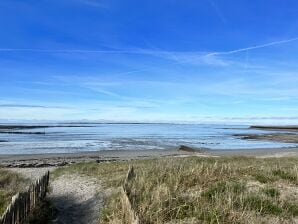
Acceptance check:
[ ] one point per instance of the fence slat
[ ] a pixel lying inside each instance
(129, 213)
(22, 204)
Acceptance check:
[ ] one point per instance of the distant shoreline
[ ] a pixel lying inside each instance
(24, 126)
(275, 127)
(287, 134)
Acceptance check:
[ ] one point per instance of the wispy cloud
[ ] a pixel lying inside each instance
(105, 92)
(93, 3)
(27, 106)
(262, 118)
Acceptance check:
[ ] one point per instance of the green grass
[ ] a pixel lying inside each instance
(264, 178)
(200, 190)
(262, 205)
(292, 208)
(10, 184)
(271, 192)
(285, 175)
(224, 187)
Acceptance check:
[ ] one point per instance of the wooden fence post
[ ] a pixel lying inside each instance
(127, 206)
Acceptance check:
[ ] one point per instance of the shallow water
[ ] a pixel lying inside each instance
(131, 136)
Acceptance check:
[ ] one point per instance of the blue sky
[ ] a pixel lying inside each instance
(166, 60)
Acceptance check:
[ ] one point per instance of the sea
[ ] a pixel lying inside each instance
(73, 138)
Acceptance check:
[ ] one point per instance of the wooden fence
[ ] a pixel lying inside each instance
(130, 215)
(23, 203)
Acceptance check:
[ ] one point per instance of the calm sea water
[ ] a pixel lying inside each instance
(130, 136)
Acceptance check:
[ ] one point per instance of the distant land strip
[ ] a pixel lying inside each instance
(10, 127)
(284, 127)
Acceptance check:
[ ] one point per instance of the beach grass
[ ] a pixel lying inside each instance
(10, 184)
(200, 190)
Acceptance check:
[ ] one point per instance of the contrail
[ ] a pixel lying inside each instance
(253, 47)
(132, 51)
(69, 51)
(142, 51)
(218, 11)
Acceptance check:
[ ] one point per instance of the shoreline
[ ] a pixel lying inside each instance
(62, 159)
(272, 137)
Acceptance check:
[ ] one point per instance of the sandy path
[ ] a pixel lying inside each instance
(76, 198)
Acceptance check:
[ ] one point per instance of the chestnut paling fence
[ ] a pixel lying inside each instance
(129, 213)
(23, 203)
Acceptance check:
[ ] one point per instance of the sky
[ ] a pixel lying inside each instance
(166, 60)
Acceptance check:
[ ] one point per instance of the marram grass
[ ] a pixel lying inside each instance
(201, 190)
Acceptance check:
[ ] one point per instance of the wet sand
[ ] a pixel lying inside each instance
(274, 137)
(62, 159)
